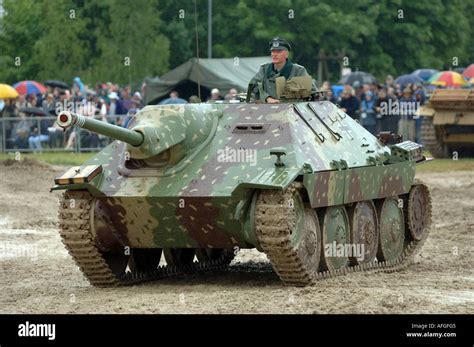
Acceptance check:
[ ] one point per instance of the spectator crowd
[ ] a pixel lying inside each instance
(382, 107)
(30, 119)
(378, 107)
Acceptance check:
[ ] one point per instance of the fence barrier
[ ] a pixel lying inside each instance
(36, 134)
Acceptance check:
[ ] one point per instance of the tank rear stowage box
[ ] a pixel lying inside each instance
(448, 123)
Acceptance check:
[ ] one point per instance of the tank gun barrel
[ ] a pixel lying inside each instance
(68, 119)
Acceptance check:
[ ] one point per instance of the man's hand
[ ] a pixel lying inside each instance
(270, 100)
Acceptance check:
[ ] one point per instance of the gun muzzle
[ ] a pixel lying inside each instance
(68, 119)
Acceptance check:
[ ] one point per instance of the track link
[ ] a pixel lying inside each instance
(274, 222)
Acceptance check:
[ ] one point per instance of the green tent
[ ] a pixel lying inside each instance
(210, 73)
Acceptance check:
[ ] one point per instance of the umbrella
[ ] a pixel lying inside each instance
(56, 84)
(469, 72)
(337, 90)
(404, 80)
(459, 69)
(170, 101)
(424, 74)
(29, 87)
(447, 79)
(359, 76)
(7, 92)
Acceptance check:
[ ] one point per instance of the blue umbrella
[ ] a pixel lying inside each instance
(424, 74)
(403, 80)
(337, 90)
(358, 76)
(171, 101)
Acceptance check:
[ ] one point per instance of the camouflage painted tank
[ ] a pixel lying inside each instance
(300, 181)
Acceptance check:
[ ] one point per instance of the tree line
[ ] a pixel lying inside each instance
(124, 42)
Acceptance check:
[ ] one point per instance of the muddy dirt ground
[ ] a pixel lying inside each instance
(38, 276)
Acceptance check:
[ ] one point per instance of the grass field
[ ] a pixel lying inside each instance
(67, 158)
(56, 158)
(440, 165)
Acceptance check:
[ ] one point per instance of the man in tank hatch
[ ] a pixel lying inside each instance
(280, 66)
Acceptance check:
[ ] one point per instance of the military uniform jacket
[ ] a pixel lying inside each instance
(266, 78)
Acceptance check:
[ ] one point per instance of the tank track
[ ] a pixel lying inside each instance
(270, 219)
(273, 224)
(430, 139)
(77, 236)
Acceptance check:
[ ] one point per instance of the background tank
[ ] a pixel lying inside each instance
(192, 184)
(448, 122)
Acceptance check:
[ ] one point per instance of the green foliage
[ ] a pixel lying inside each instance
(379, 36)
(20, 29)
(430, 34)
(131, 46)
(62, 47)
(107, 40)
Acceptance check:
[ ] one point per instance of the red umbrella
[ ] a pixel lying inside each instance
(29, 87)
(469, 72)
(447, 79)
